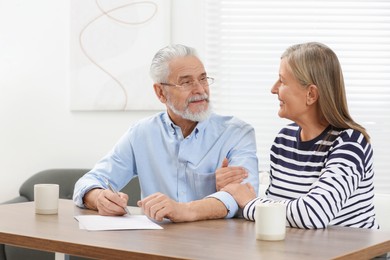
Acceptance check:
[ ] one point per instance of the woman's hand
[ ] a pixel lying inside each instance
(229, 174)
(242, 193)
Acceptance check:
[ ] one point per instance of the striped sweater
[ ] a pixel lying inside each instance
(326, 181)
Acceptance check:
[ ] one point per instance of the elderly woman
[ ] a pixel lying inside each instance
(322, 164)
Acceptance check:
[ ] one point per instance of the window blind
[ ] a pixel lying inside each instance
(245, 39)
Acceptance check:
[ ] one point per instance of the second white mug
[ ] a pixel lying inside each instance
(270, 221)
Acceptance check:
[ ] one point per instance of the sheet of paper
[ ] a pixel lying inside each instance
(98, 223)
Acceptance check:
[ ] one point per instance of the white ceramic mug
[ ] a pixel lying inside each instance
(46, 198)
(270, 221)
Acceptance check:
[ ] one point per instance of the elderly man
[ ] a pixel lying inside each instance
(182, 156)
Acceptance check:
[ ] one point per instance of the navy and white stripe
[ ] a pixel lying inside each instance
(326, 181)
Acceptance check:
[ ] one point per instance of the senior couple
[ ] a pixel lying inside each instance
(193, 164)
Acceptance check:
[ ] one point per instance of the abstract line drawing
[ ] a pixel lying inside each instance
(112, 44)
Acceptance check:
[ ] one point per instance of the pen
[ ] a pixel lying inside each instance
(117, 193)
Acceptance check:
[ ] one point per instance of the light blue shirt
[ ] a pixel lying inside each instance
(155, 150)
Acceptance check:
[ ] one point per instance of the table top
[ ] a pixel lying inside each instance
(210, 239)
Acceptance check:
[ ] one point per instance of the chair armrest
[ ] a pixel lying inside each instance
(66, 178)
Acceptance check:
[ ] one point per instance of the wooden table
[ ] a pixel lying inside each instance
(212, 239)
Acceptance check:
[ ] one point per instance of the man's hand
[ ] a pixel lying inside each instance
(159, 206)
(229, 174)
(242, 193)
(106, 202)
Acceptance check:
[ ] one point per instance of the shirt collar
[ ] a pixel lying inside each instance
(172, 127)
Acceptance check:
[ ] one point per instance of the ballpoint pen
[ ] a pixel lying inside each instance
(116, 192)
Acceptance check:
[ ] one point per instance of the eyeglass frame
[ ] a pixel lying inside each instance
(191, 83)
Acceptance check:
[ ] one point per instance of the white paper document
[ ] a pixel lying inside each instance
(98, 223)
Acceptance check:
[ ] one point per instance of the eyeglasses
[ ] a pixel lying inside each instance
(190, 84)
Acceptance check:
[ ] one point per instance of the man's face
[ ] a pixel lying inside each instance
(190, 102)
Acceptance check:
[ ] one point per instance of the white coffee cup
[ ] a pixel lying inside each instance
(270, 221)
(46, 198)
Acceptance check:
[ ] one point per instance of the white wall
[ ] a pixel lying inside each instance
(38, 130)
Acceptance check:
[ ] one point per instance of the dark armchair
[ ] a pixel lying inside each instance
(66, 178)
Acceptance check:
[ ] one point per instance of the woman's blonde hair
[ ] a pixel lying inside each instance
(314, 63)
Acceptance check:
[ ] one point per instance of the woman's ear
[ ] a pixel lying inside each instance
(158, 89)
(312, 94)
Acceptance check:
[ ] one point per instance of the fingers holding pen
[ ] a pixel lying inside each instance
(109, 203)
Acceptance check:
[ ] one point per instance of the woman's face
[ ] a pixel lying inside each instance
(291, 94)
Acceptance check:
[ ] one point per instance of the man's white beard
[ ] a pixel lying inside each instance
(187, 114)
